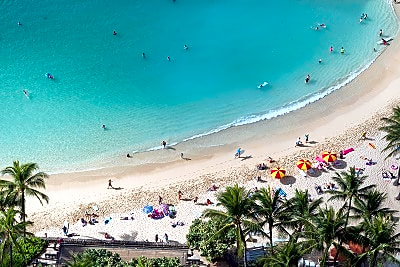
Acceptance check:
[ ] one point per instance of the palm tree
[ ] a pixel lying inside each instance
(379, 234)
(237, 206)
(392, 130)
(10, 231)
(371, 205)
(7, 200)
(269, 211)
(24, 182)
(286, 255)
(350, 187)
(327, 226)
(298, 211)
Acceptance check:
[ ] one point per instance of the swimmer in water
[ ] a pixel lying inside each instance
(380, 32)
(320, 61)
(365, 16)
(322, 25)
(374, 49)
(308, 78)
(316, 28)
(261, 85)
(143, 55)
(361, 20)
(331, 49)
(114, 33)
(169, 59)
(103, 127)
(25, 93)
(185, 47)
(19, 23)
(342, 50)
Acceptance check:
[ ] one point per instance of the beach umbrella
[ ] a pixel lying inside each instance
(304, 164)
(147, 209)
(329, 157)
(278, 172)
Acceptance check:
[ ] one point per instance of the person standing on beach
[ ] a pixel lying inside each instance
(164, 143)
(109, 184)
(306, 137)
(156, 238)
(180, 195)
(159, 200)
(181, 155)
(166, 238)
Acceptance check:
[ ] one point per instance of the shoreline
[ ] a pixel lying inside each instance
(208, 142)
(333, 122)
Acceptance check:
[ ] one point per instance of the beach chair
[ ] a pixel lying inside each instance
(281, 192)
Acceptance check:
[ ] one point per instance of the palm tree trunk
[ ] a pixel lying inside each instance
(323, 260)
(270, 237)
(243, 239)
(23, 209)
(11, 257)
(345, 229)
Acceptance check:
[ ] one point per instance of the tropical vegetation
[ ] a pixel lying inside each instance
(17, 246)
(310, 226)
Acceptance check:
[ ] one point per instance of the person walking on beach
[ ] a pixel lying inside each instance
(159, 200)
(166, 238)
(363, 135)
(306, 137)
(238, 152)
(180, 195)
(110, 184)
(181, 155)
(164, 143)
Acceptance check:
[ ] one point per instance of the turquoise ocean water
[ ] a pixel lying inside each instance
(103, 79)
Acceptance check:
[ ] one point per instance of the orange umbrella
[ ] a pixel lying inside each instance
(329, 157)
(278, 172)
(304, 164)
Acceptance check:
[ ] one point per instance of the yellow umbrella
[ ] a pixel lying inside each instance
(278, 172)
(304, 164)
(329, 157)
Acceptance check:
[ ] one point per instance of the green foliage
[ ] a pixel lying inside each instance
(104, 258)
(204, 236)
(30, 249)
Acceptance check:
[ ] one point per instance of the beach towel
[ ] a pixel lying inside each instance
(347, 151)
(319, 159)
(281, 192)
(303, 173)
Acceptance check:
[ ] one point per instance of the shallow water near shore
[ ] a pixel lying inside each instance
(101, 78)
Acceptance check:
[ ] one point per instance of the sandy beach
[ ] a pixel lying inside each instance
(333, 123)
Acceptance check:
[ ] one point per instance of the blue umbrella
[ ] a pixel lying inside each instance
(147, 209)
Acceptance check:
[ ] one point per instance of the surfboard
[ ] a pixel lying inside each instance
(386, 39)
(371, 145)
(241, 153)
(262, 85)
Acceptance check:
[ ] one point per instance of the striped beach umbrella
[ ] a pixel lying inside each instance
(328, 156)
(278, 172)
(304, 164)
